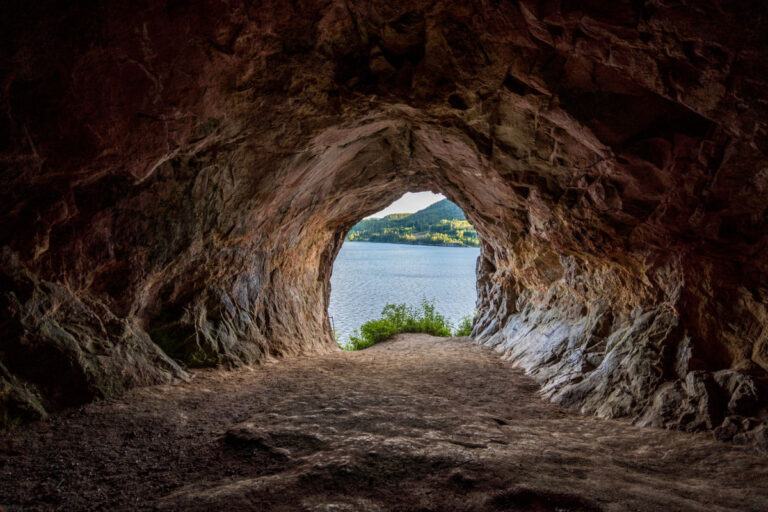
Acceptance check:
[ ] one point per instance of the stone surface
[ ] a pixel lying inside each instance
(415, 423)
(66, 348)
(185, 173)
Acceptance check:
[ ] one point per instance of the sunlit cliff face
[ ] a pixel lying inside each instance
(178, 180)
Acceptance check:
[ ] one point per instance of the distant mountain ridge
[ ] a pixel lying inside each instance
(442, 223)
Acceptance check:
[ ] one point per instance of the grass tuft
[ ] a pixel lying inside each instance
(465, 326)
(399, 318)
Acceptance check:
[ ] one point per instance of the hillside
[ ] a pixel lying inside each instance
(442, 223)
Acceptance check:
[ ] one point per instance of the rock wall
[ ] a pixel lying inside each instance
(178, 178)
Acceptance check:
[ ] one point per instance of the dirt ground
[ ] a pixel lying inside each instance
(416, 423)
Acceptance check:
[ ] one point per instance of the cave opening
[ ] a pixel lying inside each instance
(419, 249)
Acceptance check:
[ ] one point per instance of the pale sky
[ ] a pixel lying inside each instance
(410, 202)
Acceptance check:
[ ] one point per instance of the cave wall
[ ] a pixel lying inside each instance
(178, 178)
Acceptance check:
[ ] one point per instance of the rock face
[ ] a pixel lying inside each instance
(177, 180)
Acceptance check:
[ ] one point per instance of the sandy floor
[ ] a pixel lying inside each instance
(417, 423)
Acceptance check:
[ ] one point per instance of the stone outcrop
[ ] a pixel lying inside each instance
(178, 178)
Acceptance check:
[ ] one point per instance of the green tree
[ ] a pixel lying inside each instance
(442, 223)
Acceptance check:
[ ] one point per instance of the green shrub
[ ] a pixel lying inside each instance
(465, 326)
(397, 318)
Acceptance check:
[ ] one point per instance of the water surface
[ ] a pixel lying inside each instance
(367, 276)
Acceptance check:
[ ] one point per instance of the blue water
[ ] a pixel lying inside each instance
(367, 276)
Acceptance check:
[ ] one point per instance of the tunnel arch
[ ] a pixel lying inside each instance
(206, 160)
(377, 270)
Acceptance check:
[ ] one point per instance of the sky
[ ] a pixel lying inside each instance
(410, 202)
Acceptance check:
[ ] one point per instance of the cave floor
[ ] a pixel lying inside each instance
(416, 423)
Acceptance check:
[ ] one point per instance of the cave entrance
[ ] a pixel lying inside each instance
(421, 248)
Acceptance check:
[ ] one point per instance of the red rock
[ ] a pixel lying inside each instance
(186, 174)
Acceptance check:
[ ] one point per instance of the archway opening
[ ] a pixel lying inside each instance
(421, 251)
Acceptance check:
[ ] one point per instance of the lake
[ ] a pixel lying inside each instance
(367, 276)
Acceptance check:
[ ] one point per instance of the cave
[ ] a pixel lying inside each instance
(178, 178)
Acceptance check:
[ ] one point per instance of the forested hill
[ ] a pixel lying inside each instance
(442, 223)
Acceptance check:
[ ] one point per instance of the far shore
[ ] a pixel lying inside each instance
(414, 243)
